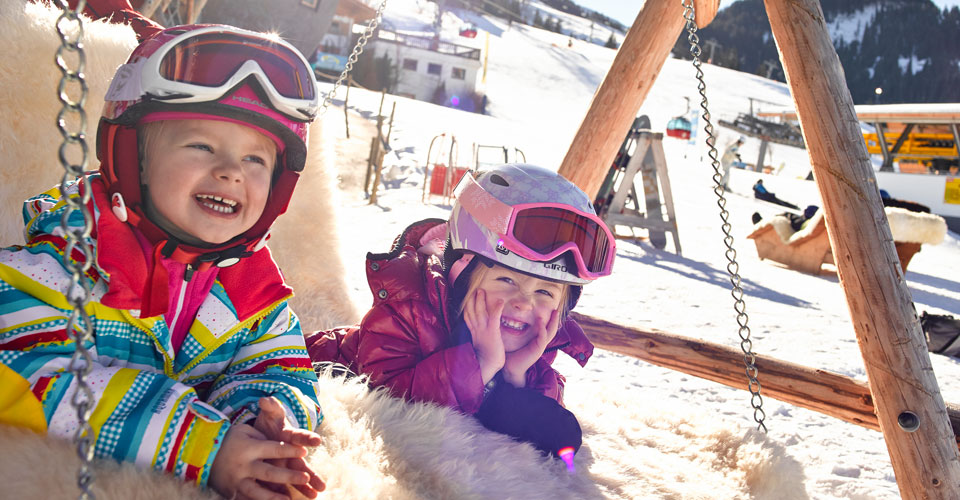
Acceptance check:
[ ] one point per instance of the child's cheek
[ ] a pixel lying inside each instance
(543, 316)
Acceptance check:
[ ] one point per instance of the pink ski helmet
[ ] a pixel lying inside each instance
(208, 72)
(532, 220)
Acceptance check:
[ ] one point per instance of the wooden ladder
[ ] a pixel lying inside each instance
(648, 160)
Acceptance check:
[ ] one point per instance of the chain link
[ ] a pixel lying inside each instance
(71, 60)
(357, 50)
(746, 345)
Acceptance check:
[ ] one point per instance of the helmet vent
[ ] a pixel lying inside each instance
(500, 181)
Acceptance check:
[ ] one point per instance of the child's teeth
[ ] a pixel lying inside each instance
(517, 325)
(228, 209)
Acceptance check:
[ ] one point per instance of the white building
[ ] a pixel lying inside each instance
(424, 63)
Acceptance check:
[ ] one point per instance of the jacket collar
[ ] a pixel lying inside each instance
(251, 285)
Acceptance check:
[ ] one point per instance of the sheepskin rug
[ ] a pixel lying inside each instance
(29, 141)
(905, 226)
(378, 447)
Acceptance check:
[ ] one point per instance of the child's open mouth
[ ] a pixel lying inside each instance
(218, 204)
(512, 326)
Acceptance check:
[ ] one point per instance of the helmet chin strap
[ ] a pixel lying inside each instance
(154, 216)
(185, 252)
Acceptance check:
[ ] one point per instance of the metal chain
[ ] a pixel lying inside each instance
(746, 345)
(357, 50)
(70, 54)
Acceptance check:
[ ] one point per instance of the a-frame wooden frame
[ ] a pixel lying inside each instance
(902, 384)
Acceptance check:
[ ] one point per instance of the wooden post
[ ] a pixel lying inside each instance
(346, 106)
(615, 105)
(829, 393)
(384, 146)
(150, 6)
(375, 157)
(198, 6)
(925, 461)
(373, 152)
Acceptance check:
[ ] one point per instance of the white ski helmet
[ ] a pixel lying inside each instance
(532, 220)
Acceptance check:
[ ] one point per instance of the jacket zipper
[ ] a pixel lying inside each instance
(187, 275)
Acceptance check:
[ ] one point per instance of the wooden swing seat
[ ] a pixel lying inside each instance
(808, 249)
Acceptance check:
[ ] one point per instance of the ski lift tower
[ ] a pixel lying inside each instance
(438, 20)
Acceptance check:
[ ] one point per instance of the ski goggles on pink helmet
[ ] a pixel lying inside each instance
(542, 231)
(200, 64)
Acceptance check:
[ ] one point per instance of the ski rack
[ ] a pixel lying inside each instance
(649, 161)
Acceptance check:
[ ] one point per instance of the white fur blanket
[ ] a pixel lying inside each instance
(378, 447)
(905, 226)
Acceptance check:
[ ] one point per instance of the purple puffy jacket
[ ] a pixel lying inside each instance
(404, 341)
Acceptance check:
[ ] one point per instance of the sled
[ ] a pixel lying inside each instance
(441, 174)
(443, 179)
(808, 249)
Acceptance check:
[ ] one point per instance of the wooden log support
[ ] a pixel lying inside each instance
(926, 461)
(346, 106)
(829, 393)
(151, 6)
(617, 100)
(197, 10)
(375, 157)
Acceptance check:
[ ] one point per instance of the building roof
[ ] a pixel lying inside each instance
(938, 113)
(356, 10)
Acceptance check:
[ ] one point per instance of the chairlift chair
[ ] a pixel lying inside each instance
(468, 31)
(679, 127)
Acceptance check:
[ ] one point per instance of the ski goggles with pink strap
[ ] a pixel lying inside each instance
(205, 63)
(542, 231)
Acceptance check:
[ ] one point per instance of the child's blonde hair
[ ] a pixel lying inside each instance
(147, 134)
(481, 270)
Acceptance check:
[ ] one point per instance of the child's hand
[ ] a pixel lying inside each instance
(518, 362)
(484, 324)
(242, 461)
(272, 422)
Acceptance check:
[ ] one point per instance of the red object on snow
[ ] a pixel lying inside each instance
(678, 133)
(679, 127)
(438, 176)
(468, 32)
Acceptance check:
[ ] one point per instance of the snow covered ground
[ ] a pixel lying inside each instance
(539, 90)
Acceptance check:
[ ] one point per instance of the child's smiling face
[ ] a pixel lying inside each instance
(206, 180)
(527, 301)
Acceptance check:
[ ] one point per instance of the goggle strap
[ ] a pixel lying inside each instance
(126, 84)
(483, 206)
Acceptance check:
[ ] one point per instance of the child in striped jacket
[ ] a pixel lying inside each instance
(198, 365)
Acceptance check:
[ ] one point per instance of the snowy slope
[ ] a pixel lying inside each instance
(539, 90)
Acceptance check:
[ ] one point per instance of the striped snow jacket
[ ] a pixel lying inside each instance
(159, 409)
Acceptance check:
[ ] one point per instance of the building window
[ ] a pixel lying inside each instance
(410, 64)
(310, 3)
(458, 74)
(434, 69)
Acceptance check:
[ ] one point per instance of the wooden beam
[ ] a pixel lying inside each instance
(925, 459)
(197, 10)
(614, 106)
(150, 6)
(818, 390)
